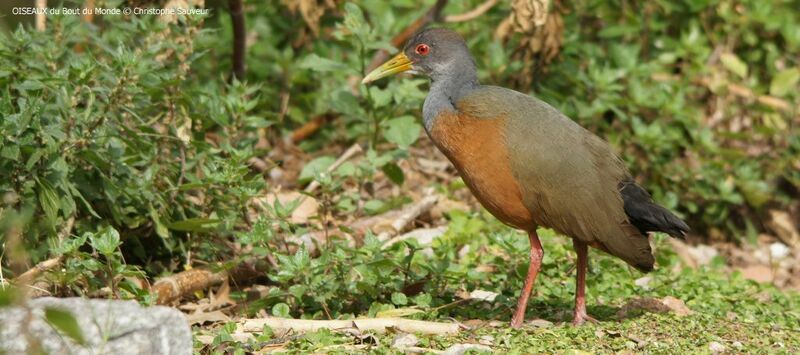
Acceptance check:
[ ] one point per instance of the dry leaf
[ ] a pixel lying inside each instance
(757, 273)
(781, 223)
(677, 306)
(460, 349)
(404, 340)
(308, 206)
(201, 318)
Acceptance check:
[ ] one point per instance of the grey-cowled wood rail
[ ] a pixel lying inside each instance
(530, 165)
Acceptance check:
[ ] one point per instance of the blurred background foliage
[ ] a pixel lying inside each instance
(131, 126)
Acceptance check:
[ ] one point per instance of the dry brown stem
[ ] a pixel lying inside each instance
(469, 15)
(408, 215)
(379, 325)
(29, 278)
(349, 153)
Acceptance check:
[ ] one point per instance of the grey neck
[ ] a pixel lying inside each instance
(448, 84)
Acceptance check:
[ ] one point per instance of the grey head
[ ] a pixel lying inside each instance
(442, 55)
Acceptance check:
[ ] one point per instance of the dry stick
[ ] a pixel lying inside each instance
(469, 15)
(187, 282)
(349, 153)
(184, 283)
(307, 129)
(28, 278)
(738, 90)
(239, 38)
(88, 16)
(40, 18)
(432, 15)
(408, 215)
(378, 325)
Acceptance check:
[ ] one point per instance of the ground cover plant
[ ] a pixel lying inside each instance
(130, 154)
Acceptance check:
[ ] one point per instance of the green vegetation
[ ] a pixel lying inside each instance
(727, 308)
(126, 151)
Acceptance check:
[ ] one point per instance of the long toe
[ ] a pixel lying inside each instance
(581, 318)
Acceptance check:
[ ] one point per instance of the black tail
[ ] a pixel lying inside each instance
(646, 215)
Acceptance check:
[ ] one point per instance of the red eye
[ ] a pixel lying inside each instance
(423, 49)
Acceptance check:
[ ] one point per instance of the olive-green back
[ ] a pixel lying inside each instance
(569, 177)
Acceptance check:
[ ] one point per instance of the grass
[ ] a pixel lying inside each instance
(739, 314)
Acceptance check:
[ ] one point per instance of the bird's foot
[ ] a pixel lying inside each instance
(516, 321)
(581, 318)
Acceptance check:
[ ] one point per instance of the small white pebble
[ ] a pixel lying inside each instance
(716, 347)
(644, 282)
(737, 344)
(778, 250)
(482, 295)
(486, 340)
(404, 340)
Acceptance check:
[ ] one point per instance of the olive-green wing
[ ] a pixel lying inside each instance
(568, 176)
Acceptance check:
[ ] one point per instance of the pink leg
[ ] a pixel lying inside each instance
(537, 253)
(580, 316)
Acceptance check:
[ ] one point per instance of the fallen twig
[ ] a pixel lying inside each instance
(469, 15)
(349, 153)
(738, 90)
(40, 15)
(423, 236)
(239, 38)
(28, 278)
(173, 287)
(408, 215)
(309, 128)
(379, 325)
(185, 283)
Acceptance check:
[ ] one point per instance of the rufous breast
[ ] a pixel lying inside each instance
(477, 148)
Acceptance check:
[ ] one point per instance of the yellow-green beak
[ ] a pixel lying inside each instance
(398, 64)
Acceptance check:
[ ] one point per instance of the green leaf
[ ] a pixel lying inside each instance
(106, 242)
(314, 167)
(194, 224)
(373, 207)
(785, 82)
(65, 322)
(402, 131)
(48, 200)
(281, 310)
(9, 296)
(394, 173)
(161, 229)
(317, 63)
(11, 152)
(399, 298)
(29, 85)
(380, 98)
(354, 21)
(734, 64)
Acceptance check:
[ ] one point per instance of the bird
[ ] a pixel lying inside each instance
(531, 166)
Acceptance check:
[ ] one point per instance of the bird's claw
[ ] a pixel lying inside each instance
(581, 318)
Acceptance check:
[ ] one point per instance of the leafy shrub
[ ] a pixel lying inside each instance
(110, 127)
(685, 91)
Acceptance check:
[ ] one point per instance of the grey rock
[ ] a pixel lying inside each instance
(108, 327)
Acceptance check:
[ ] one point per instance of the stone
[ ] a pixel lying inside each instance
(677, 306)
(460, 349)
(716, 347)
(107, 326)
(404, 340)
